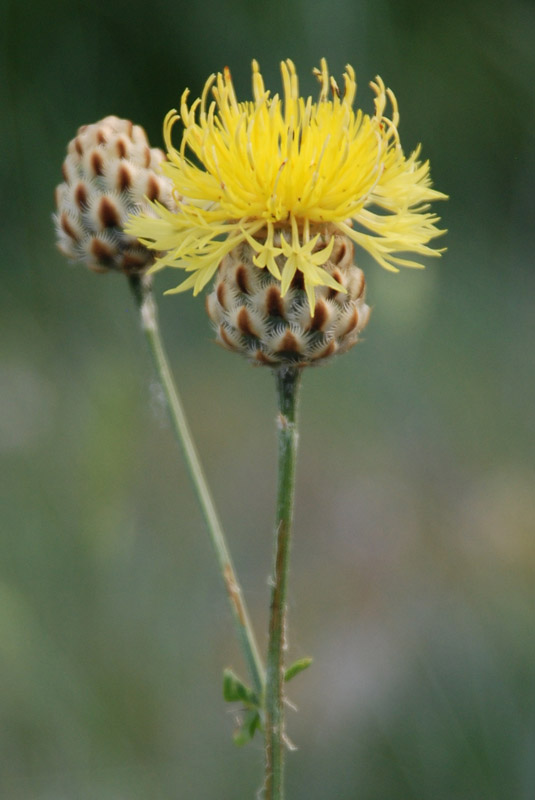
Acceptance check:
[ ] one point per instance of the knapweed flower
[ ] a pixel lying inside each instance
(288, 186)
(109, 173)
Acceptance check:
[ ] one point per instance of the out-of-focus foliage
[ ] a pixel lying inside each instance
(414, 555)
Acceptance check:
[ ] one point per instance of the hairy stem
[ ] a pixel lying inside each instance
(141, 288)
(288, 379)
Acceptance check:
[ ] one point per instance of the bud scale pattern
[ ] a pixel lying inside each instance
(252, 317)
(109, 173)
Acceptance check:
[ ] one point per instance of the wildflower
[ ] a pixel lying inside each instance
(109, 172)
(280, 184)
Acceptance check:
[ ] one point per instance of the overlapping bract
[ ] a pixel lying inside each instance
(110, 171)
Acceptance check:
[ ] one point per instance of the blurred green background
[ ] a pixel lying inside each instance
(414, 560)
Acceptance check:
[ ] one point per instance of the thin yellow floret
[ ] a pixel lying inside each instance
(247, 169)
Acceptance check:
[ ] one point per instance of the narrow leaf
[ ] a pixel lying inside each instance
(235, 691)
(247, 730)
(296, 668)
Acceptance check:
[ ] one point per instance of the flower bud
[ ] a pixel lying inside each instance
(109, 172)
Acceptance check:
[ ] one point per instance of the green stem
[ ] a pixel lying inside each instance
(288, 379)
(141, 288)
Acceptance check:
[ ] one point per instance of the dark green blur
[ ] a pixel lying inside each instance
(413, 565)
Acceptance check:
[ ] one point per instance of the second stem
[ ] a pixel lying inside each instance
(141, 287)
(288, 379)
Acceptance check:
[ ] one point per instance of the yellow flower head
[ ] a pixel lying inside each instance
(284, 174)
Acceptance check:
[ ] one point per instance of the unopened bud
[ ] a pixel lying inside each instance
(109, 172)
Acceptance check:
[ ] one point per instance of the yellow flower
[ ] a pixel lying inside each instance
(301, 257)
(245, 170)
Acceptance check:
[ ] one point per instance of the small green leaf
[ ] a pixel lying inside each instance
(247, 729)
(296, 668)
(235, 691)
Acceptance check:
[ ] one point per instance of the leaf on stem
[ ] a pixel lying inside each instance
(248, 728)
(235, 691)
(297, 667)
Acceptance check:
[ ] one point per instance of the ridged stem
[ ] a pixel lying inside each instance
(288, 379)
(141, 288)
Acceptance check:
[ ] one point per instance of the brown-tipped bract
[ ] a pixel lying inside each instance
(110, 171)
